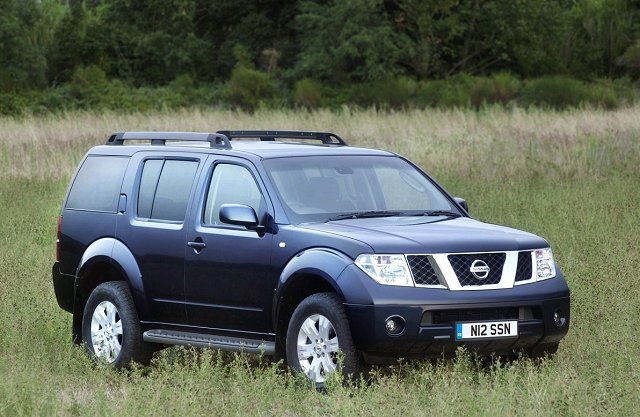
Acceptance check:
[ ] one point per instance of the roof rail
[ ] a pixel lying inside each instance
(216, 140)
(327, 138)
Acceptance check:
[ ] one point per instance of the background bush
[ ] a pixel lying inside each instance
(391, 93)
(562, 92)
(307, 93)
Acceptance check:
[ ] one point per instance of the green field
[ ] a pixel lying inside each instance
(571, 177)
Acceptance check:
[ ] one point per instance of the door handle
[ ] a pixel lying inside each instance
(197, 245)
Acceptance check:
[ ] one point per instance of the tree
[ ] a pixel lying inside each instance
(349, 41)
(22, 62)
(601, 32)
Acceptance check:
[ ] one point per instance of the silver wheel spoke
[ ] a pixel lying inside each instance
(324, 327)
(98, 338)
(111, 313)
(316, 346)
(117, 328)
(328, 365)
(100, 316)
(106, 327)
(332, 345)
(309, 328)
(314, 370)
(305, 351)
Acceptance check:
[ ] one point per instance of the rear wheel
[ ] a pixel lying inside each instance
(111, 328)
(318, 331)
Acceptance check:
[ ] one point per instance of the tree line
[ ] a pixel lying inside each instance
(249, 50)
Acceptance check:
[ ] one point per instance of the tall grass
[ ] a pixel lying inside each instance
(571, 177)
(492, 142)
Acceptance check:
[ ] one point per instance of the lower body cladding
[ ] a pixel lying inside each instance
(385, 333)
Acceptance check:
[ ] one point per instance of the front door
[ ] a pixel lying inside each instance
(229, 280)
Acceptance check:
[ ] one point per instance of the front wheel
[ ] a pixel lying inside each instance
(110, 326)
(318, 331)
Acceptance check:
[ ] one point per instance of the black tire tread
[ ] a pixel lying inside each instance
(334, 306)
(134, 348)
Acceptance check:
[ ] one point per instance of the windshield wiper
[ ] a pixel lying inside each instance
(445, 213)
(363, 215)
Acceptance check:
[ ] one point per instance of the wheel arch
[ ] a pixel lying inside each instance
(106, 259)
(309, 272)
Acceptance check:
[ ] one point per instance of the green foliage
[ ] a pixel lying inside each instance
(22, 64)
(307, 93)
(433, 26)
(348, 41)
(523, 36)
(454, 92)
(562, 92)
(602, 31)
(242, 56)
(391, 93)
(13, 104)
(248, 87)
(501, 88)
(362, 52)
(631, 60)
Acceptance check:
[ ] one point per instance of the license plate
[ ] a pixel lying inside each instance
(494, 329)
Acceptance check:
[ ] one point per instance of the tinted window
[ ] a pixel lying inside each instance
(97, 185)
(230, 184)
(165, 187)
(148, 184)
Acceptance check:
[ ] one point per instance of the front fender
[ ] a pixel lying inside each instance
(322, 262)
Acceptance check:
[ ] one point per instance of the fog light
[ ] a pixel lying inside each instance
(394, 325)
(559, 319)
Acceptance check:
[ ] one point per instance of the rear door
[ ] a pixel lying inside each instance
(229, 281)
(154, 228)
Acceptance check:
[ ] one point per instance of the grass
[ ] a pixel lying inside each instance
(572, 177)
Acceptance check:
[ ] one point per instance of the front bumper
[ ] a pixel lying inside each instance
(430, 317)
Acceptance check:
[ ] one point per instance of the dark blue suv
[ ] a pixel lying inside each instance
(291, 244)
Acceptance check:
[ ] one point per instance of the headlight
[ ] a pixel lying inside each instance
(386, 269)
(545, 267)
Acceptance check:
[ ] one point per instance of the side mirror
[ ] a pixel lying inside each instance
(462, 203)
(239, 214)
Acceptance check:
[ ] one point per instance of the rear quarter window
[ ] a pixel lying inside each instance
(97, 184)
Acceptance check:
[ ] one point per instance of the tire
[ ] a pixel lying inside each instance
(318, 329)
(111, 329)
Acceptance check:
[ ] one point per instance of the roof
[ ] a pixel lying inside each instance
(266, 146)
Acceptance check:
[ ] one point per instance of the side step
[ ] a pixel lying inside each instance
(172, 337)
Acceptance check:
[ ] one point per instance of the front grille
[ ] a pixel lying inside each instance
(471, 314)
(423, 272)
(461, 265)
(524, 269)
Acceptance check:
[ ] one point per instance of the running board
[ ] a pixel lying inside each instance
(171, 337)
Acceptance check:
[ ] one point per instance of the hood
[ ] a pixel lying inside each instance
(430, 235)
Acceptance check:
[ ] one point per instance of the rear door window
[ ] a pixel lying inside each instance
(165, 187)
(97, 184)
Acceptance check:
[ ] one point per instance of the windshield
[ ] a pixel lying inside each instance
(323, 188)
